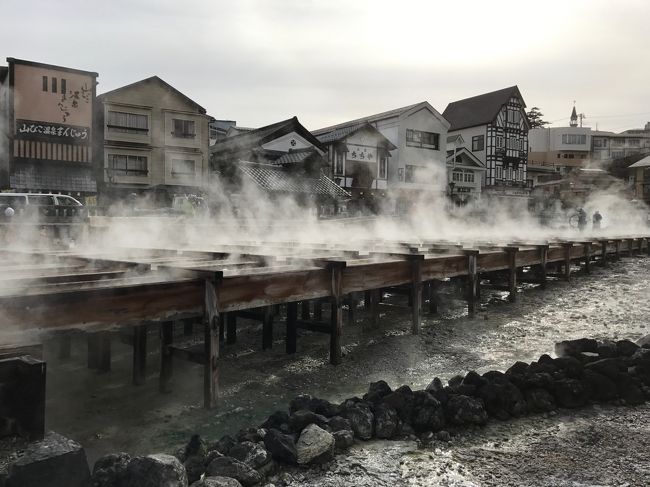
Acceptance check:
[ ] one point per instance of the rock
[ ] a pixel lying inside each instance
(607, 349)
(518, 368)
(541, 380)
(216, 482)
(343, 439)
(196, 446)
(252, 454)
(642, 355)
(570, 393)
(455, 380)
(377, 391)
(282, 447)
(156, 470)
(386, 419)
(465, 410)
(502, 399)
(303, 417)
(224, 445)
(435, 385)
(539, 400)
(212, 454)
(314, 404)
(338, 423)
(473, 379)
(54, 461)
(427, 412)
(194, 467)
(568, 348)
(401, 399)
(361, 420)
(545, 359)
(254, 435)
(546, 367)
(230, 467)
(642, 372)
(110, 470)
(602, 387)
(315, 445)
(643, 341)
(610, 367)
(626, 348)
(276, 420)
(443, 435)
(571, 366)
(629, 391)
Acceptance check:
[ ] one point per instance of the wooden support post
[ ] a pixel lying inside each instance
(304, 310)
(65, 346)
(543, 258)
(267, 328)
(587, 247)
(433, 296)
(567, 260)
(166, 340)
(512, 273)
(336, 269)
(472, 281)
(292, 329)
(231, 328)
(188, 327)
(318, 310)
(211, 343)
(617, 251)
(416, 291)
(94, 349)
(104, 364)
(139, 371)
(374, 307)
(630, 247)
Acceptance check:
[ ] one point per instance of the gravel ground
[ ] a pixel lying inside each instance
(106, 414)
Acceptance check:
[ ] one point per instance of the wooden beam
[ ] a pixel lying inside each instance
(166, 369)
(416, 291)
(139, 371)
(337, 312)
(587, 247)
(267, 328)
(543, 258)
(292, 332)
(211, 344)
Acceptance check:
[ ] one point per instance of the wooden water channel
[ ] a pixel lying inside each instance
(54, 292)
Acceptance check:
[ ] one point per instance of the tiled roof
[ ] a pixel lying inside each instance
(338, 134)
(645, 162)
(478, 110)
(369, 119)
(274, 179)
(293, 157)
(53, 178)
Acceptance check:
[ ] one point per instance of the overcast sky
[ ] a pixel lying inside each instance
(328, 61)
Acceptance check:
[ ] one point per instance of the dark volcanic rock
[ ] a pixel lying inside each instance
(230, 467)
(610, 367)
(570, 393)
(338, 423)
(282, 447)
(455, 380)
(435, 385)
(518, 368)
(607, 349)
(315, 445)
(361, 419)
(194, 467)
(110, 470)
(427, 414)
(401, 399)
(473, 379)
(377, 391)
(252, 454)
(626, 348)
(343, 439)
(465, 410)
(314, 404)
(539, 400)
(303, 417)
(54, 461)
(254, 435)
(570, 366)
(156, 470)
(276, 420)
(602, 387)
(568, 348)
(502, 398)
(630, 391)
(224, 445)
(216, 482)
(386, 419)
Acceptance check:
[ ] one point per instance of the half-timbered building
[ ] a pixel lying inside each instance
(497, 127)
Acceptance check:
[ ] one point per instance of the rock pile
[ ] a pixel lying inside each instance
(314, 429)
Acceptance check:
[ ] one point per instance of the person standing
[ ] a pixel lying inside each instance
(582, 219)
(596, 220)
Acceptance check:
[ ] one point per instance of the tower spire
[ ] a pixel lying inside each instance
(574, 116)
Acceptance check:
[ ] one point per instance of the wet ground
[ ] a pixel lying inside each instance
(106, 414)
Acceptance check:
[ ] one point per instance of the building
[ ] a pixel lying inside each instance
(640, 178)
(417, 165)
(46, 122)
(358, 158)
(608, 146)
(560, 148)
(497, 127)
(465, 172)
(281, 159)
(154, 143)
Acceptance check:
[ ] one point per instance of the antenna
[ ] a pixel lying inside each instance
(581, 117)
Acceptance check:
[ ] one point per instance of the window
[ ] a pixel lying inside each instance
(426, 140)
(634, 142)
(616, 154)
(383, 167)
(338, 166)
(183, 128)
(54, 87)
(499, 142)
(457, 176)
(600, 142)
(409, 176)
(44, 83)
(129, 123)
(572, 139)
(478, 143)
(63, 86)
(183, 167)
(618, 142)
(400, 174)
(468, 177)
(124, 165)
(513, 115)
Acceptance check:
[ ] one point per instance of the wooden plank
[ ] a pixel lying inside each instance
(372, 276)
(442, 267)
(492, 261)
(211, 344)
(12, 351)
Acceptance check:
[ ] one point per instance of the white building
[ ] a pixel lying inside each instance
(465, 172)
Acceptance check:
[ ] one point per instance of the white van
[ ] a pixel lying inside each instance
(44, 204)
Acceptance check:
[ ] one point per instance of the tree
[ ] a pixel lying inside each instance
(535, 118)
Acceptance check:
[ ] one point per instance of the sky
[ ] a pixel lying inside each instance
(329, 61)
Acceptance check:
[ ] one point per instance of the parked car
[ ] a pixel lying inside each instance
(48, 205)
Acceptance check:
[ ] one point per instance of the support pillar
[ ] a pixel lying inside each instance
(543, 259)
(166, 340)
(211, 344)
(267, 328)
(587, 247)
(336, 268)
(292, 327)
(366, 300)
(139, 371)
(434, 286)
(416, 291)
(512, 273)
(617, 252)
(472, 281)
(567, 260)
(630, 247)
(94, 347)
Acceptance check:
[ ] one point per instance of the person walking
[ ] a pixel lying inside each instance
(582, 219)
(596, 220)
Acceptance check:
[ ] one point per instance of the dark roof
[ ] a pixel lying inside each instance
(339, 134)
(252, 139)
(371, 118)
(163, 83)
(12, 60)
(478, 110)
(293, 157)
(275, 179)
(463, 151)
(53, 178)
